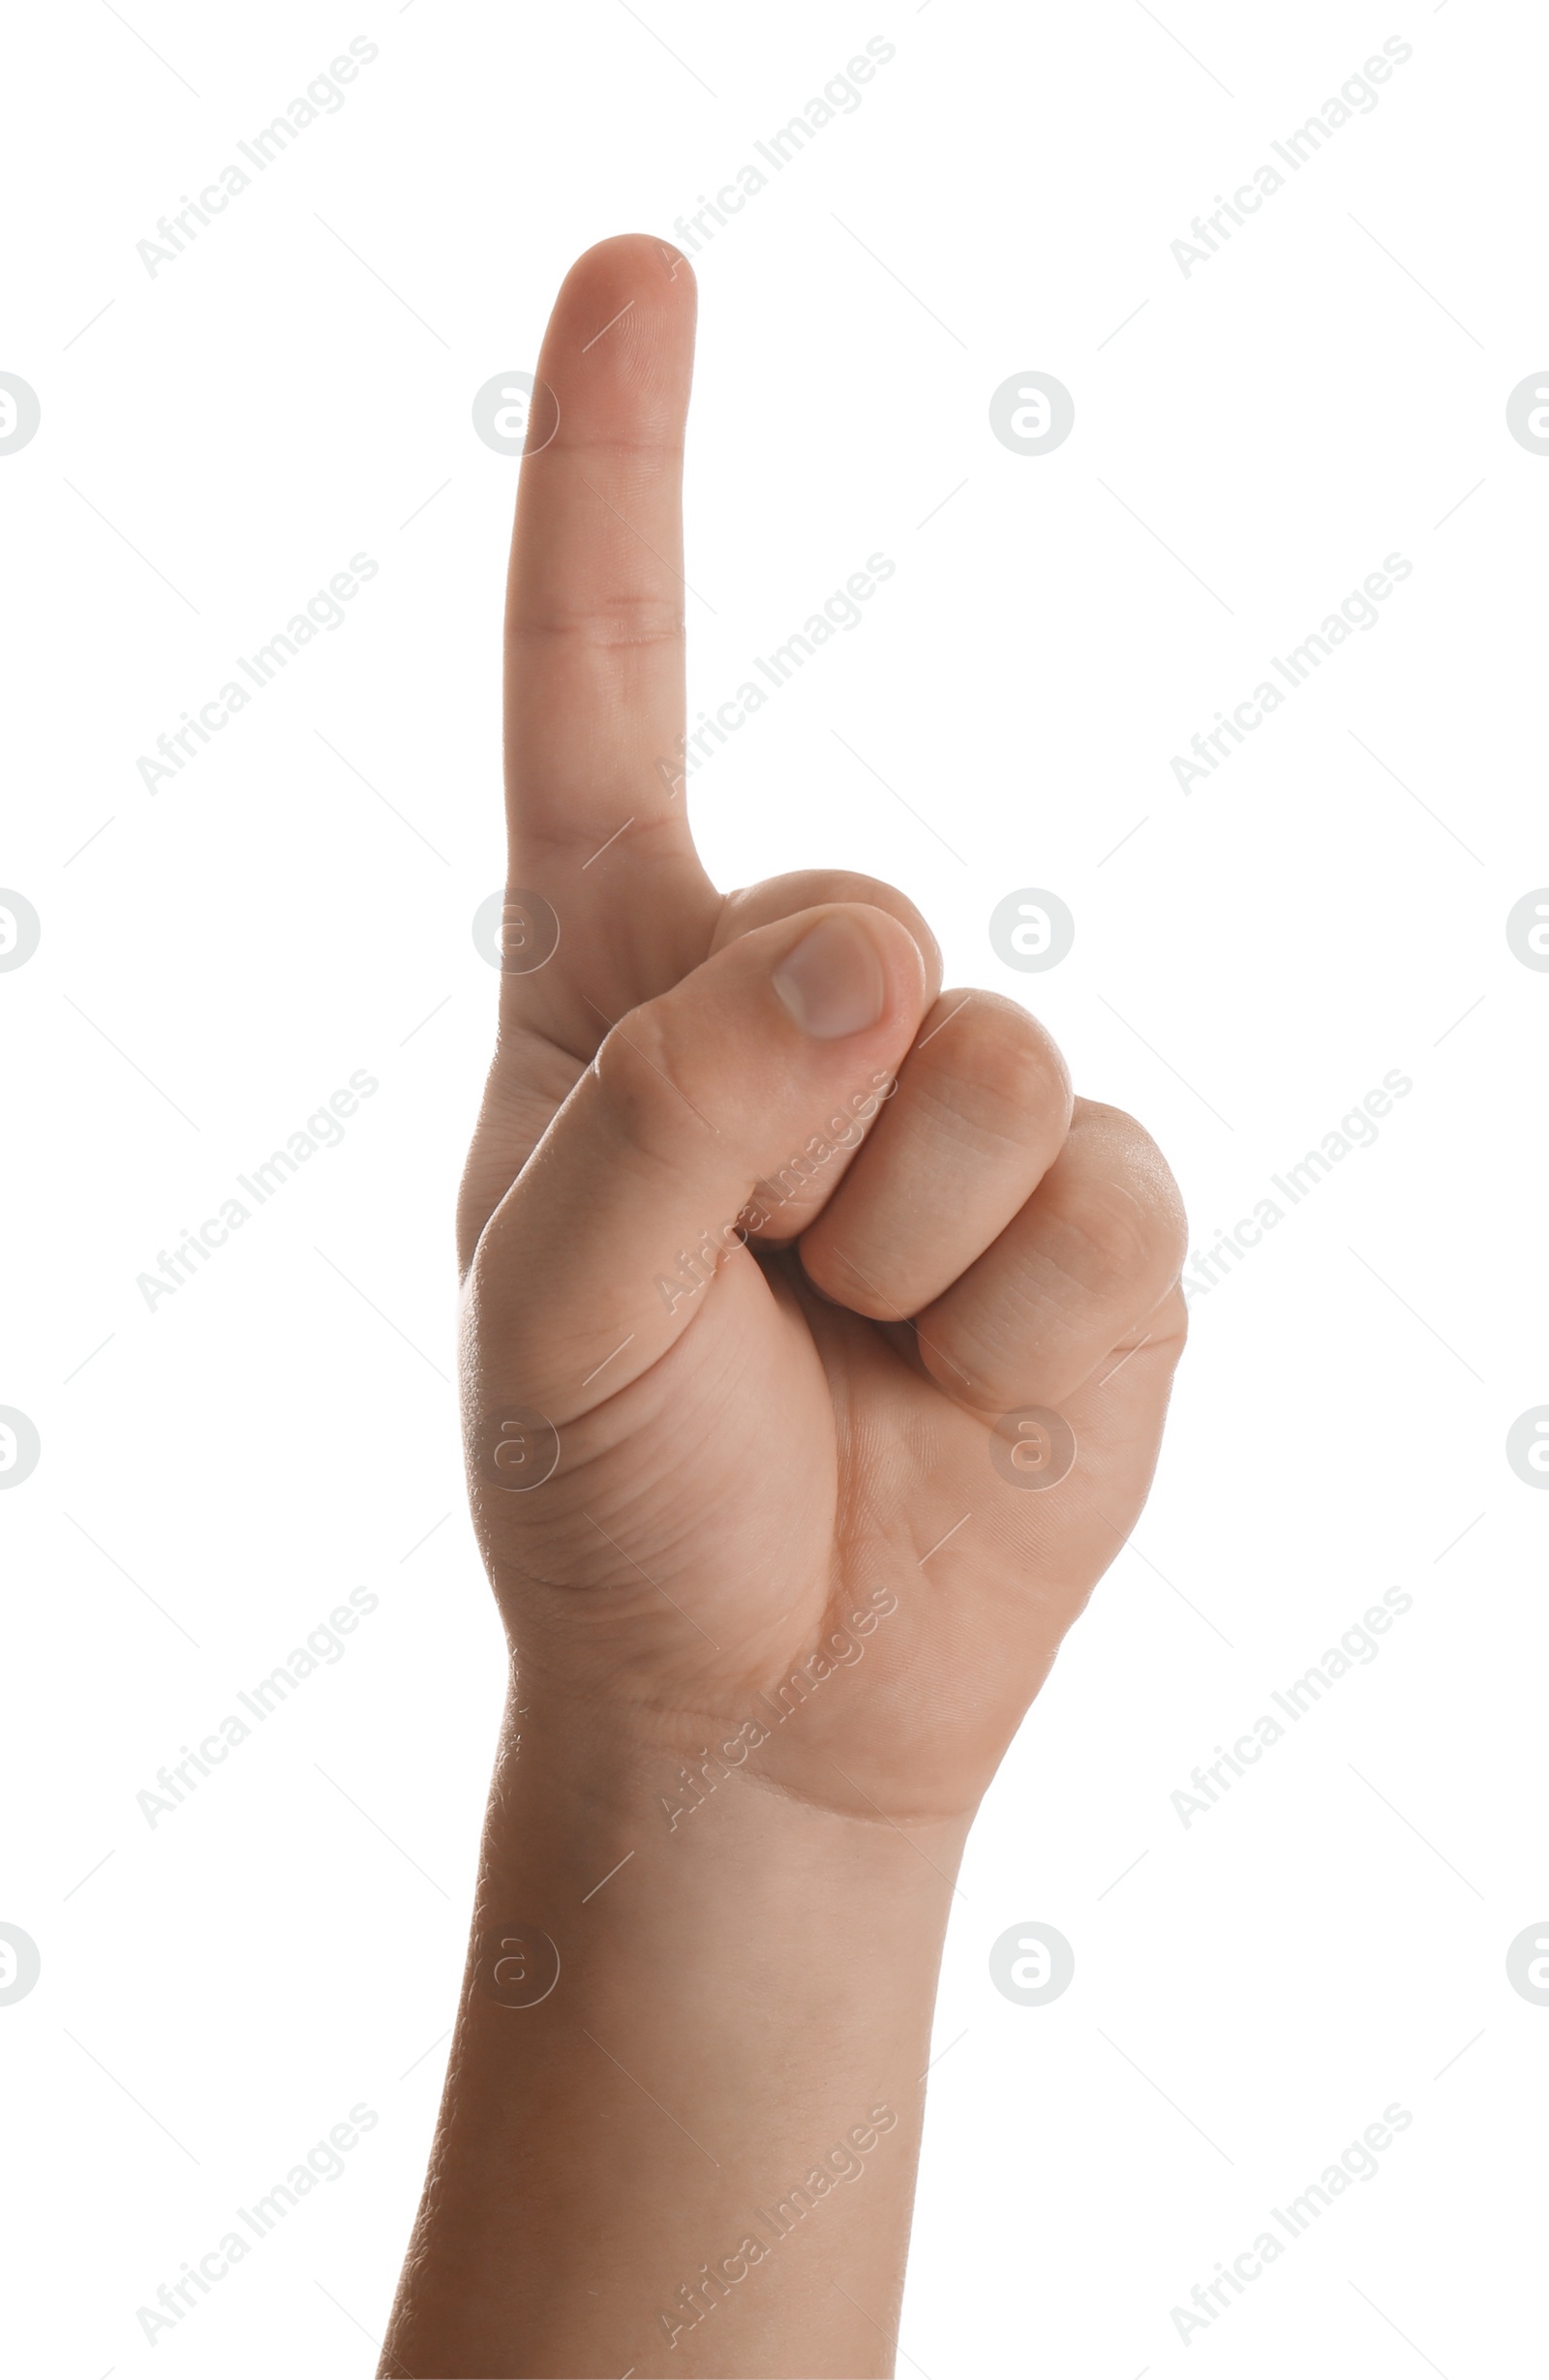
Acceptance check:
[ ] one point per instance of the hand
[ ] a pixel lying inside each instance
(763, 1236)
(765, 1450)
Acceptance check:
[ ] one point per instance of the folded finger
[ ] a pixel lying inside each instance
(1083, 1265)
(981, 1112)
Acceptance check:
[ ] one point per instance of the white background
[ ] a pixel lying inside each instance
(1251, 958)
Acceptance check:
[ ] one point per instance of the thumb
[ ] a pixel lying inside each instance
(772, 1056)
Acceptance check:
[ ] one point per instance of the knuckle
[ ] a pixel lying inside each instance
(776, 897)
(642, 1071)
(1133, 1162)
(624, 615)
(1005, 1067)
(857, 1281)
(1173, 1320)
(1104, 1241)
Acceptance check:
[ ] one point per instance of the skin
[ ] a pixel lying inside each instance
(780, 1460)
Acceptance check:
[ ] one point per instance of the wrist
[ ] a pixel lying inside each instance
(738, 2005)
(632, 1847)
(579, 1789)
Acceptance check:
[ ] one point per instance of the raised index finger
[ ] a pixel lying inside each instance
(595, 647)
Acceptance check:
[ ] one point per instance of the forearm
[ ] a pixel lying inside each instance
(696, 2153)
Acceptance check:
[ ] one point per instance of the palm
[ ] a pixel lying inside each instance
(759, 1478)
